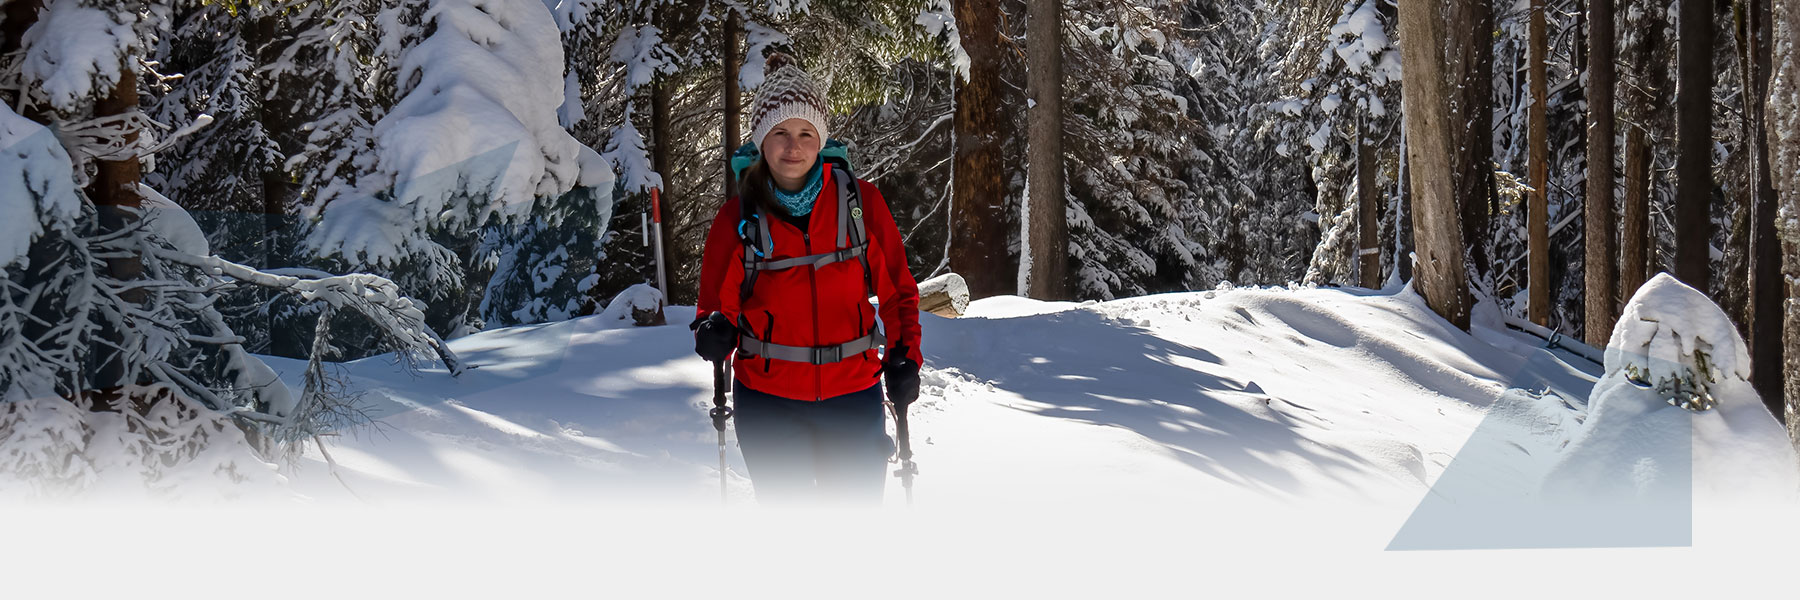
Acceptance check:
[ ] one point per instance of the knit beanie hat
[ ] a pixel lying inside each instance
(786, 93)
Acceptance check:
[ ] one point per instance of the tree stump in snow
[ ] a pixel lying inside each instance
(946, 295)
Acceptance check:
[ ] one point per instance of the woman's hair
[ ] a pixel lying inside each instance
(754, 187)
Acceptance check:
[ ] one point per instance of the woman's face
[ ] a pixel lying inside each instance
(791, 148)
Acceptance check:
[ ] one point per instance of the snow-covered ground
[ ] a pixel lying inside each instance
(1187, 399)
(1217, 440)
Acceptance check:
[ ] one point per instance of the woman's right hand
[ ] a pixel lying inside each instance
(714, 337)
(902, 376)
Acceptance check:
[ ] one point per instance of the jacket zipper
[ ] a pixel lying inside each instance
(812, 280)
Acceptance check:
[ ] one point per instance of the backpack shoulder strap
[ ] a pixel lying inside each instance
(852, 232)
(753, 233)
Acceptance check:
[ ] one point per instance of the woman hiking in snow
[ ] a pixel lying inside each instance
(790, 264)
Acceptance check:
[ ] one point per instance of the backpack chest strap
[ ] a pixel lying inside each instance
(816, 261)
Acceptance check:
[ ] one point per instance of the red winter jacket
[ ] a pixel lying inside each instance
(801, 307)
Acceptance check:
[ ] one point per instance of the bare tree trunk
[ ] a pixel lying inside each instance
(281, 193)
(1538, 215)
(978, 192)
(1048, 228)
(1766, 285)
(1368, 210)
(114, 192)
(1601, 274)
(1437, 220)
(662, 132)
(1634, 238)
(733, 102)
(16, 16)
(1693, 166)
(1635, 243)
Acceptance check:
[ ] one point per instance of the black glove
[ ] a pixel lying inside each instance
(714, 337)
(902, 375)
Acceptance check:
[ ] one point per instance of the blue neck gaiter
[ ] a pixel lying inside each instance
(800, 203)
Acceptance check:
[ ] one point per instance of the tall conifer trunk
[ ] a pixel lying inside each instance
(732, 137)
(114, 192)
(1469, 27)
(1767, 289)
(1538, 215)
(1436, 214)
(978, 192)
(1693, 166)
(1601, 274)
(1048, 227)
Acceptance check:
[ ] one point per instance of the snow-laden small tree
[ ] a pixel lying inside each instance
(472, 145)
(1674, 349)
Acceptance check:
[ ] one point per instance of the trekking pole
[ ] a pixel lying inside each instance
(720, 413)
(907, 469)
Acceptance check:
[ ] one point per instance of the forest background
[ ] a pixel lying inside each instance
(495, 160)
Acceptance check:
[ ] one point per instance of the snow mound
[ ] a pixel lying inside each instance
(172, 223)
(1006, 307)
(157, 446)
(1674, 338)
(636, 299)
(37, 183)
(1674, 346)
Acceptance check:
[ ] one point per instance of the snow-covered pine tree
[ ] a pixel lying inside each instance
(1148, 178)
(1346, 108)
(549, 265)
(107, 288)
(1271, 236)
(218, 169)
(229, 173)
(472, 145)
(630, 53)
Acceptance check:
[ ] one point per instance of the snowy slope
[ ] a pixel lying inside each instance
(1239, 395)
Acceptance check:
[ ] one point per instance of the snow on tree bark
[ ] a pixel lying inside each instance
(1767, 289)
(1469, 63)
(1784, 162)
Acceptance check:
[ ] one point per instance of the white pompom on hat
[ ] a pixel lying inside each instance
(786, 93)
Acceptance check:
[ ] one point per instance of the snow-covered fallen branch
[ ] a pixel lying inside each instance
(1553, 339)
(374, 297)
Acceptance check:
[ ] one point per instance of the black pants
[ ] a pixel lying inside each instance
(834, 450)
